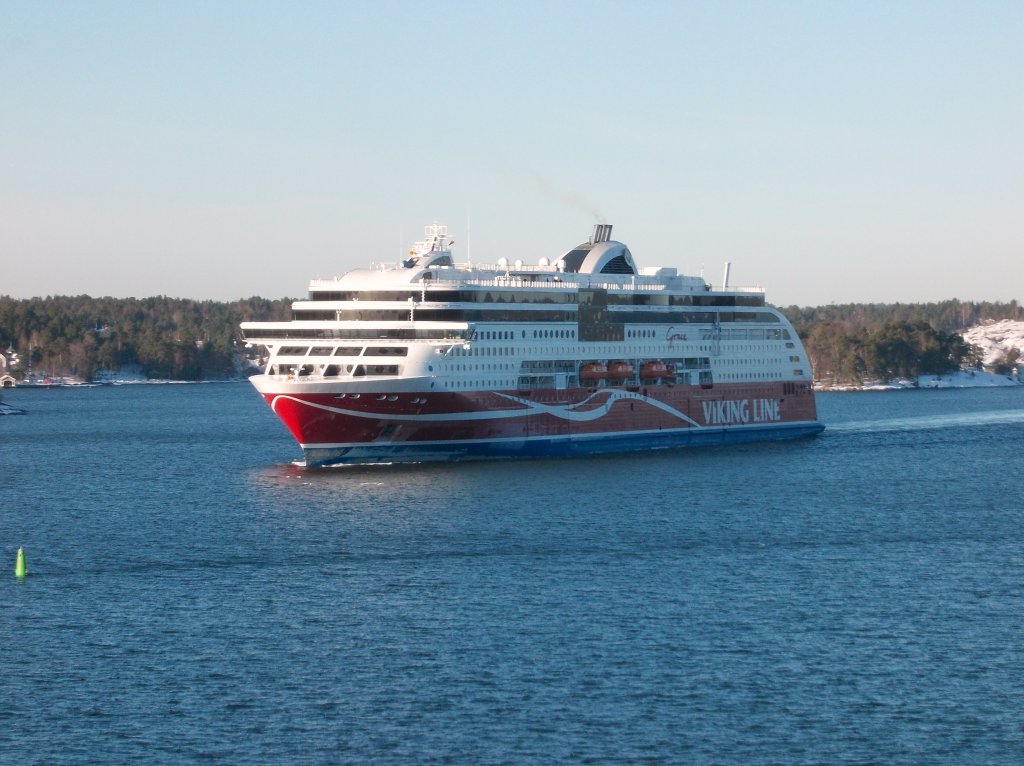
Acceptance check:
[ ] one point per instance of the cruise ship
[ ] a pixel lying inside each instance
(429, 359)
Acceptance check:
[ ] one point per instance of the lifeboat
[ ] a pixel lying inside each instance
(620, 370)
(592, 372)
(654, 370)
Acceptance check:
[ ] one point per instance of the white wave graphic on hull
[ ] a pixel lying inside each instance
(565, 412)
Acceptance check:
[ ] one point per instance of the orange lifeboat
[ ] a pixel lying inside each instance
(654, 370)
(591, 372)
(620, 370)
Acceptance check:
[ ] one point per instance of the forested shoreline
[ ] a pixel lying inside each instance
(182, 339)
(854, 342)
(165, 338)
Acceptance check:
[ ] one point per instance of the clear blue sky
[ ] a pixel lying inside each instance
(833, 151)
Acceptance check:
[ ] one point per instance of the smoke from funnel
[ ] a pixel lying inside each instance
(570, 199)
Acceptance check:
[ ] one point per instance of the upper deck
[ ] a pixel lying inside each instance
(431, 274)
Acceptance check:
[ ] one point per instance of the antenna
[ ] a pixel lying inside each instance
(725, 278)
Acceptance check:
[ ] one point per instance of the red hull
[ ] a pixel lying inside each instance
(330, 419)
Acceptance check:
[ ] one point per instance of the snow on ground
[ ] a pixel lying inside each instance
(962, 379)
(130, 373)
(966, 378)
(996, 338)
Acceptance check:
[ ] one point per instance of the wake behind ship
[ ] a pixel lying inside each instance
(430, 360)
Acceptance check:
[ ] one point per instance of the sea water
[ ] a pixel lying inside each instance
(195, 597)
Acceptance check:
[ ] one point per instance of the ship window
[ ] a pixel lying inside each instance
(348, 350)
(387, 351)
(320, 351)
(331, 371)
(293, 351)
(618, 265)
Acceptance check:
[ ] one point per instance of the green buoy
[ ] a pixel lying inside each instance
(20, 570)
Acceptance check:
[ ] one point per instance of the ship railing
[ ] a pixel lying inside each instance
(544, 278)
(579, 280)
(559, 282)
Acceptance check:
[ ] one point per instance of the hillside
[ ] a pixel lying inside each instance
(854, 343)
(998, 341)
(167, 338)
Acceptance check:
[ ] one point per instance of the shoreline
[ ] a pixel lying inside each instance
(118, 383)
(961, 379)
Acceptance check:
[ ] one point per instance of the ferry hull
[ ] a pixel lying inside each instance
(346, 428)
(452, 451)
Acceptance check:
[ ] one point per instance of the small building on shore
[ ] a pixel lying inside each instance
(6, 379)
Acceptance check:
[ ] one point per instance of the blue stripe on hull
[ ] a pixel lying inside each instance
(564, 446)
